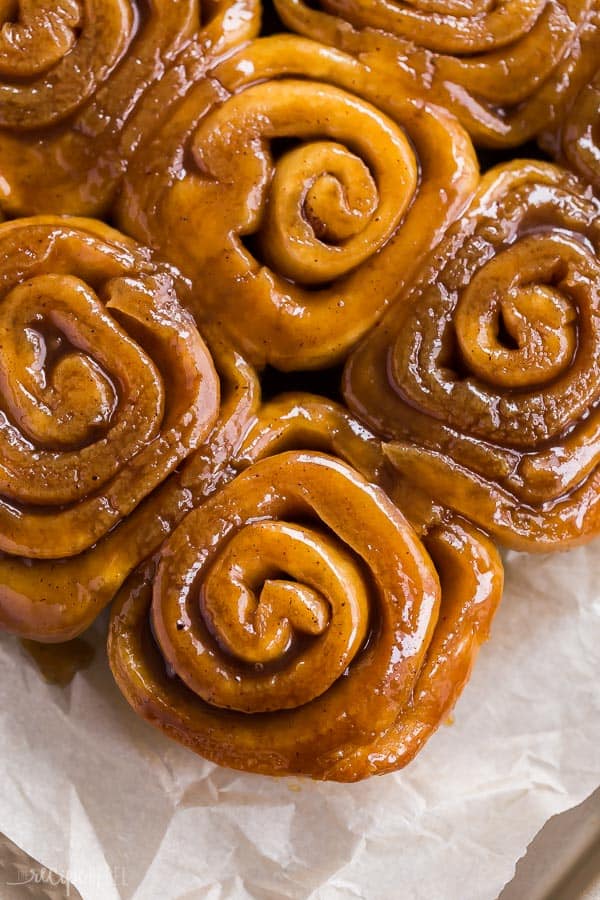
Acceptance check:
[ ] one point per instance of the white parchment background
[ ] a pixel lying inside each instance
(96, 794)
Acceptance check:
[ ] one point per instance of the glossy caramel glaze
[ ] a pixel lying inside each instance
(299, 195)
(506, 69)
(106, 387)
(485, 379)
(53, 600)
(295, 624)
(575, 139)
(82, 83)
(302, 421)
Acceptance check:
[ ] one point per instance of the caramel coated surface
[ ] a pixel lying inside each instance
(311, 244)
(507, 70)
(575, 138)
(83, 83)
(107, 387)
(485, 380)
(295, 623)
(53, 600)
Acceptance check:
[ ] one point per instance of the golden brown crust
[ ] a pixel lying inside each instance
(296, 611)
(82, 84)
(318, 241)
(505, 69)
(485, 379)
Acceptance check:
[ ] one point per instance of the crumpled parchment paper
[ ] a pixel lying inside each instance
(99, 796)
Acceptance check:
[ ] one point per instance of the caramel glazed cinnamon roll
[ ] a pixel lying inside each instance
(299, 194)
(106, 388)
(505, 68)
(485, 379)
(295, 623)
(82, 82)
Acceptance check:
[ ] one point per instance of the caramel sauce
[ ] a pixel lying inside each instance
(59, 663)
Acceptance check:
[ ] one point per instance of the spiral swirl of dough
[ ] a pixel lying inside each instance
(56, 599)
(298, 207)
(105, 383)
(487, 378)
(294, 617)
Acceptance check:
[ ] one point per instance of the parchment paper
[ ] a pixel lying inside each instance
(122, 812)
